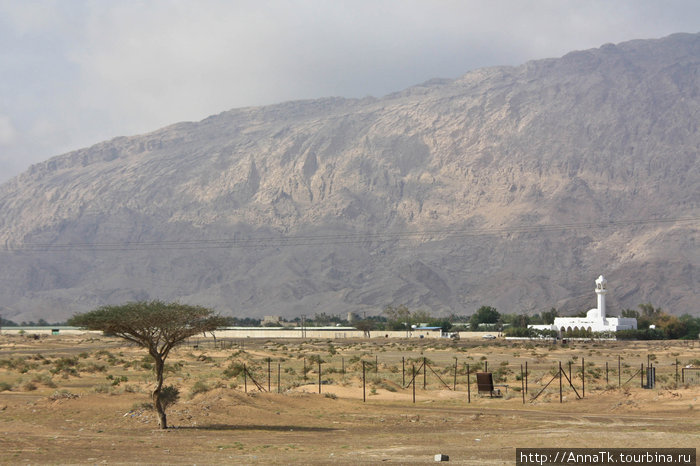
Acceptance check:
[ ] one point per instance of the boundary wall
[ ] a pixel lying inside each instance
(268, 332)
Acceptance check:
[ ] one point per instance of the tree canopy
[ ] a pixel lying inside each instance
(484, 315)
(154, 325)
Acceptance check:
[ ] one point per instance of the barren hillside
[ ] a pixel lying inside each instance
(510, 186)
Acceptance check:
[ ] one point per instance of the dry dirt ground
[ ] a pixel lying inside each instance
(84, 400)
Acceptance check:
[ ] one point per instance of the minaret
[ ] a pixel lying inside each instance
(601, 287)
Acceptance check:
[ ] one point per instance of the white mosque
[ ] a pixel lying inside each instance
(595, 320)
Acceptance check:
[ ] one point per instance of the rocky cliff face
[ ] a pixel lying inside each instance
(512, 186)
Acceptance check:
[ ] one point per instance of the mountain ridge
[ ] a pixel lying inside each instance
(602, 135)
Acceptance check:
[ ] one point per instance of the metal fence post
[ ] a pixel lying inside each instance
(469, 390)
(454, 384)
(561, 399)
(606, 373)
(414, 383)
(676, 370)
(619, 371)
(364, 397)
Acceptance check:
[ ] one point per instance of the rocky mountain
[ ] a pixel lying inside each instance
(510, 186)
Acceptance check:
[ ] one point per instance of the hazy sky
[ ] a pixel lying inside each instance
(73, 73)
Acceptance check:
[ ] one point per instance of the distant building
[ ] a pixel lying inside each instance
(270, 320)
(595, 320)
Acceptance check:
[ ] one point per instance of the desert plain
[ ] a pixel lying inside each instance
(86, 399)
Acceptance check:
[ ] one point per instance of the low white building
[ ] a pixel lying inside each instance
(595, 321)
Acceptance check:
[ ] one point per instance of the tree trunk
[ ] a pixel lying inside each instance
(156, 393)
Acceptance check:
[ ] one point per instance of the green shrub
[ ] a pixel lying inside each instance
(199, 387)
(103, 388)
(63, 395)
(94, 367)
(174, 368)
(21, 365)
(234, 369)
(65, 366)
(103, 352)
(387, 386)
(44, 379)
(169, 395)
(28, 386)
(117, 380)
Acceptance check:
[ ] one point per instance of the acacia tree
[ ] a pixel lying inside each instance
(154, 325)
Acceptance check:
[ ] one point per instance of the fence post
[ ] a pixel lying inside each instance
(486, 365)
(268, 374)
(522, 382)
(619, 372)
(583, 377)
(414, 383)
(425, 369)
(343, 363)
(469, 385)
(561, 399)
(676, 370)
(319, 374)
(245, 378)
(454, 384)
(606, 373)
(279, 372)
(525, 376)
(642, 372)
(305, 378)
(403, 371)
(364, 397)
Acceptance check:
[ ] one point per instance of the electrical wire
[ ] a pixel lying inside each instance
(334, 239)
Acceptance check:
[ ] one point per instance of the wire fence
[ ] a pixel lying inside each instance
(407, 372)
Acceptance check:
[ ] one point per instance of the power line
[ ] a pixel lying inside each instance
(331, 239)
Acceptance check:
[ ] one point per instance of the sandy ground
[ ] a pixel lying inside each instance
(75, 423)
